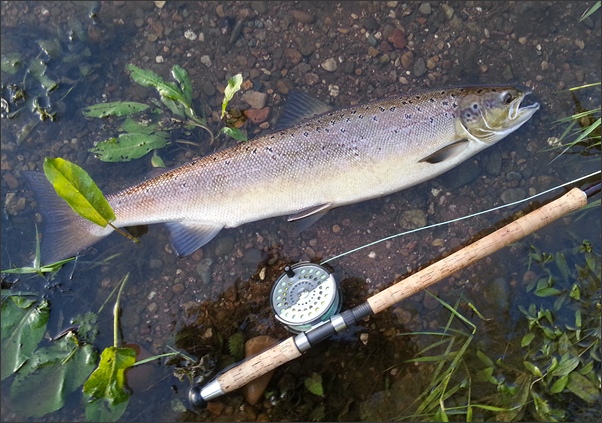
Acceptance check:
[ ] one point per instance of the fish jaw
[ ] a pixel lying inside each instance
(489, 114)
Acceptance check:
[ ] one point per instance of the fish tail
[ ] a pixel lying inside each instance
(64, 233)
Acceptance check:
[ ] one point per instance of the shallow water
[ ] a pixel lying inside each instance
(196, 303)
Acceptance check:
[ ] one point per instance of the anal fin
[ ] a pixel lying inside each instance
(188, 236)
(299, 107)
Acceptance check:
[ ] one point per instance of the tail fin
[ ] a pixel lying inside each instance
(65, 233)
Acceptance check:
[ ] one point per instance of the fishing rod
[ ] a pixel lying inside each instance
(299, 277)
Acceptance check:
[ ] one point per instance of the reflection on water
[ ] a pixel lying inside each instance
(341, 53)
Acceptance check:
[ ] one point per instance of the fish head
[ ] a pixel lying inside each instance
(489, 114)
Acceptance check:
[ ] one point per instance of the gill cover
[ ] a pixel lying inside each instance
(489, 114)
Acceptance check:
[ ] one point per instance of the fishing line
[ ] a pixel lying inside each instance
(459, 218)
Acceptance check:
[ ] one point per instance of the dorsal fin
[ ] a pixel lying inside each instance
(299, 107)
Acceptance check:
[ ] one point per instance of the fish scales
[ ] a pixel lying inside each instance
(368, 144)
(318, 163)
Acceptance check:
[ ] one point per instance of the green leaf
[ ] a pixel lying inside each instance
(75, 186)
(23, 326)
(115, 108)
(51, 374)
(235, 133)
(148, 78)
(232, 88)
(236, 345)
(565, 366)
(562, 266)
(157, 161)
(130, 125)
(583, 388)
(127, 147)
(484, 359)
(559, 385)
(532, 368)
(106, 385)
(180, 75)
(11, 62)
(527, 339)
(314, 384)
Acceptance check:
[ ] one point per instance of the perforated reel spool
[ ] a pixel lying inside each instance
(304, 296)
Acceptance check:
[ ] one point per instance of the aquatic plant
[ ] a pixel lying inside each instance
(151, 131)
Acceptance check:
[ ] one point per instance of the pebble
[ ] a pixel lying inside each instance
(412, 219)
(397, 38)
(255, 99)
(371, 24)
(329, 65)
(448, 11)
(303, 17)
(419, 67)
(206, 60)
(293, 55)
(190, 35)
(224, 246)
(425, 8)
(10, 180)
(257, 116)
(407, 59)
(513, 194)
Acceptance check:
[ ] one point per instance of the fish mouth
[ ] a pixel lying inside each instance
(520, 111)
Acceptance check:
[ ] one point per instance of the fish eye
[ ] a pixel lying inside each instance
(508, 98)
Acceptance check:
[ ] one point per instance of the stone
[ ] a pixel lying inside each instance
(397, 38)
(255, 99)
(253, 391)
(412, 219)
(329, 65)
(303, 17)
(419, 67)
(257, 116)
(293, 55)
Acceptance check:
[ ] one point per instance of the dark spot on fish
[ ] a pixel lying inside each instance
(381, 108)
(343, 130)
(408, 116)
(374, 118)
(395, 131)
(306, 134)
(269, 149)
(431, 120)
(348, 120)
(332, 122)
(254, 150)
(353, 112)
(183, 185)
(392, 109)
(360, 116)
(272, 137)
(418, 108)
(455, 105)
(445, 103)
(432, 100)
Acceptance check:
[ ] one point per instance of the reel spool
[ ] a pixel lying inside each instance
(305, 296)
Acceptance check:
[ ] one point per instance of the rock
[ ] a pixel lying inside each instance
(419, 67)
(253, 391)
(293, 55)
(412, 219)
(397, 39)
(425, 8)
(206, 60)
(255, 99)
(371, 24)
(329, 65)
(304, 17)
(10, 180)
(513, 194)
(257, 116)
(259, 6)
(448, 11)
(305, 46)
(407, 59)
(224, 246)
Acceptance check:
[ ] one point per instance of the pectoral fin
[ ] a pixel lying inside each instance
(188, 236)
(446, 153)
(308, 217)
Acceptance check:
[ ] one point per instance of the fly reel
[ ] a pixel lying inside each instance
(304, 296)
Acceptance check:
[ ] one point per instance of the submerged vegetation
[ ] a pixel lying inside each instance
(559, 375)
(152, 130)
